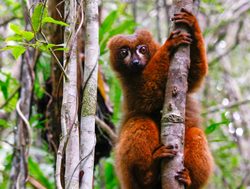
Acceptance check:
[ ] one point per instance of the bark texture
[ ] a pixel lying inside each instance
(19, 171)
(173, 117)
(87, 126)
(69, 111)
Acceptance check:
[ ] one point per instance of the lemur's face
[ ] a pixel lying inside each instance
(131, 53)
(134, 58)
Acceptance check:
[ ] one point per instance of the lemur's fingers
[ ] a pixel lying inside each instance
(183, 177)
(164, 152)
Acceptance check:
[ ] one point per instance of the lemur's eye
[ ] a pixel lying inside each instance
(123, 53)
(143, 49)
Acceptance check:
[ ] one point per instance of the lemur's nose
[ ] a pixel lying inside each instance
(136, 62)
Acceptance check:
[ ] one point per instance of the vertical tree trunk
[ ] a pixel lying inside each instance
(134, 11)
(166, 6)
(158, 24)
(69, 110)
(173, 118)
(87, 126)
(19, 171)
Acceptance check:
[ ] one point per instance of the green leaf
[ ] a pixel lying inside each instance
(37, 173)
(214, 126)
(18, 51)
(5, 85)
(62, 49)
(14, 38)
(52, 20)
(15, 50)
(4, 123)
(127, 25)
(4, 89)
(110, 178)
(50, 45)
(107, 23)
(28, 35)
(16, 29)
(37, 17)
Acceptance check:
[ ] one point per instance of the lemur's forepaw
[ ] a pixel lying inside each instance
(177, 38)
(184, 17)
(183, 177)
(164, 152)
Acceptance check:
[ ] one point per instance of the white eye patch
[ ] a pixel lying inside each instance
(128, 57)
(141, 56)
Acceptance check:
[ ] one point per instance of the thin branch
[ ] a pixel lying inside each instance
(10, 97)
(47, 127)
(5, 22)
(107, 129)
(35, 183)
(27, 125)
(229, 106)
(237, 41)
(228, 18)
(56, 58)
(59, 157)
(7, 142)
(244, 179)
(58, 11)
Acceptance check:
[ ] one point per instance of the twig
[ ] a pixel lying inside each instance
(7, 21)
(58, 11)
(10, 97)
(59, 157)
(26, 123)
(54, 55)
(231, 105)
(35, 183)
(244, 179)
(7, 142)
(107, 129)
(237, 41)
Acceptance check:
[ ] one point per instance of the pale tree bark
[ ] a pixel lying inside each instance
(87, 126)
(69, 110)
(173, 117)
(134, 10)
(158, 24)
(19, 171)
(167, 16)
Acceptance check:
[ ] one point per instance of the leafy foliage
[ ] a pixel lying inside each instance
(230, 165)
(8, 86)
(105, 175)
(36, 172)
(112, 26)
(23, 38)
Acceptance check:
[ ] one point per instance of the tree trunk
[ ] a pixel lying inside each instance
(69, 110)
(19, 171)
(173, 118)
(87, 126)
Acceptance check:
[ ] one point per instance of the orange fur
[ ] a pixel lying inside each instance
(139, 150)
